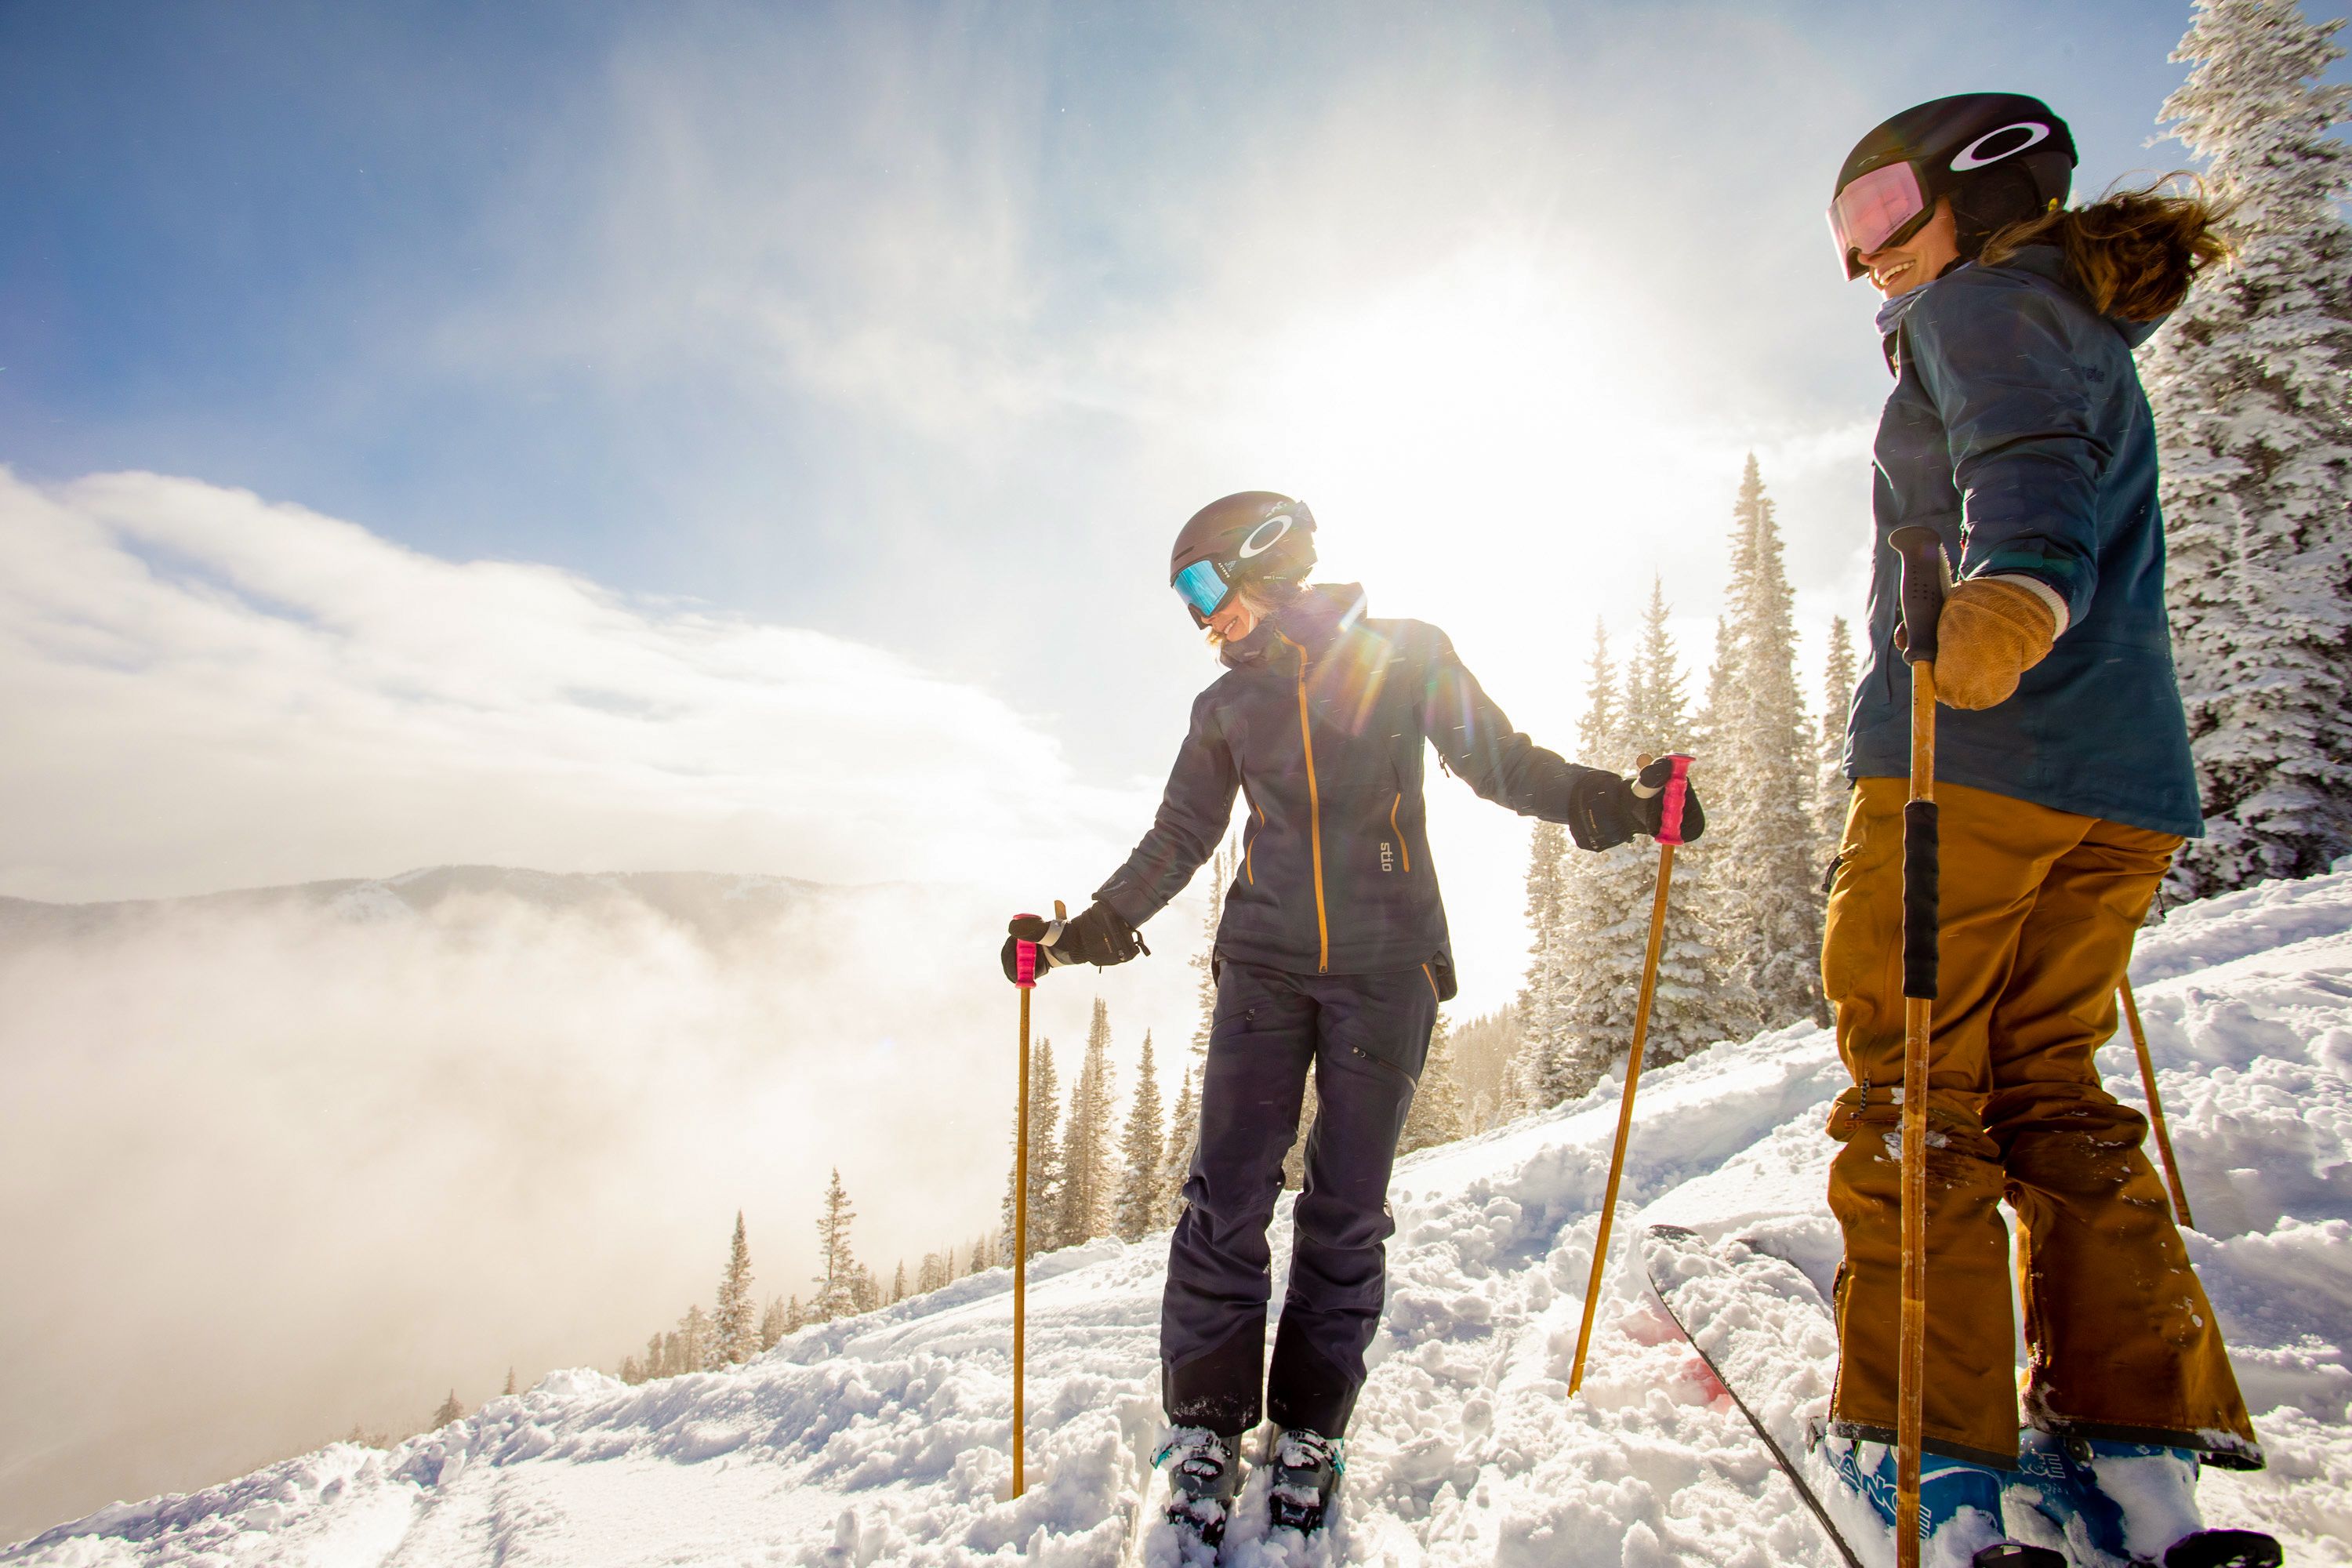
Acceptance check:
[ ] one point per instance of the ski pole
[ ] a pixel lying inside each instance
(2155, 1106)
(1676, 789)
(1925, 574)
(1024, 969)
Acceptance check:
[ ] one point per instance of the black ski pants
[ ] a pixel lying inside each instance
(1365, 1037)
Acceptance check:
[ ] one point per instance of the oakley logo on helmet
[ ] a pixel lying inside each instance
(1259, 541)
(1994, 145)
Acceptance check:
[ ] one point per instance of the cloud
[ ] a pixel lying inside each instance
(270, 1166)
(205, 690)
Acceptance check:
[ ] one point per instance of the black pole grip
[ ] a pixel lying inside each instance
(1922, 549)
(1922, 893)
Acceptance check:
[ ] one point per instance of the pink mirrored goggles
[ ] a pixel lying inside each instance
(1876, 210)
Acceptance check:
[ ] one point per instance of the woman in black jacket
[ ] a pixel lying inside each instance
(1332, 954)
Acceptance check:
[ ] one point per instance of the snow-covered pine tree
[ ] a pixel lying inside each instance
(1700, 997)
(1756, 773)
(2250, 382)
(1176, 1156)
(1044, 1160)
(1088, 1184)
(796, 1317)
(1221, 873)
(772, 1323)
(450, 1410)
(1588, 938)
(693, 1353)
(836, 1295)
(735, 1321)
(1435, 1114)
(509, 1389)
(1542, 1011)
(898, 1283)
(865, 1291)
(1832, 787)
(1139, 1207)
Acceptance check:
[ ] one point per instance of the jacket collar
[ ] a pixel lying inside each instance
(1316, 617)
(2046, 262)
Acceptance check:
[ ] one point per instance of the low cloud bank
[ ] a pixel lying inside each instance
(271, 1164)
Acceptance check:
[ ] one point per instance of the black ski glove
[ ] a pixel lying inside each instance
(1606, 812)
(1098, 936)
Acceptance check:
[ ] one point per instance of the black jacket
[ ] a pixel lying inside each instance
(1318, 720)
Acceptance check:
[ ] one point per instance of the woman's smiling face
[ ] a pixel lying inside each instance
(1899, 269)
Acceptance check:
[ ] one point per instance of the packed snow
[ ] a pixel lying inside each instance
(882, 1439)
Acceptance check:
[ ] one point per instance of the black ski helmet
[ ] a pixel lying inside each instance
(1253, 536)
(2001, 157)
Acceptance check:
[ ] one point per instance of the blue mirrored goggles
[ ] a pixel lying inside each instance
(1204, 587)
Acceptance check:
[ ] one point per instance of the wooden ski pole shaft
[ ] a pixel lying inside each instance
(1670, 833)
(1026, 978)
(1924, 572)
(2155, 1106)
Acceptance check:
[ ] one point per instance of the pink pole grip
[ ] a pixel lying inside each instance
(1670, 808)
(1025, 961)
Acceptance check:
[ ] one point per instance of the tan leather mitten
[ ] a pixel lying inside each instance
(1993, 630)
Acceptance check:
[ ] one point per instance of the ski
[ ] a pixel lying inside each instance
(1681, 1266)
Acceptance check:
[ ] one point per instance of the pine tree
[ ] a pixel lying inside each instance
(1542, 996)
(796, 1317)
(836, 1294)
(1758, 769)
(1088, 1185)
(898, 1283)
(1221, 873)
(1831, 787)
(774, 1324)
(1588, 938)
(509, 1389)
(450, 1410)
(2250, 382)
(693, 1351)
(735, 1320)
(1139, 1206)
(1436, 1115)
(1176, 1158)
(1044, 1159)
(1700, 997)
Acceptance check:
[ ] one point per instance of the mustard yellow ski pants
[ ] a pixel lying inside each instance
(2039, 907)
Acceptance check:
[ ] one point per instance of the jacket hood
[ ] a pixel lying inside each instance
(1314, 619)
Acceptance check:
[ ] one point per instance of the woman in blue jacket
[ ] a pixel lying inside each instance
(1332, 956)
(2017, 429)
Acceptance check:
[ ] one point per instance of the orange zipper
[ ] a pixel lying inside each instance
(1314, 813)
(1402, 849)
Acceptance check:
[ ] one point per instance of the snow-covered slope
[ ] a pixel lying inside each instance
(883, 1439)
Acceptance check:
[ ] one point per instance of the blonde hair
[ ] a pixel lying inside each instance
(2134, 252)
(1261, 599)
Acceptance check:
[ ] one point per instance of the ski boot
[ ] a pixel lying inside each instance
(1204, 1475)
(2137, 1501)
(1959, 1503)
(1307, 1470)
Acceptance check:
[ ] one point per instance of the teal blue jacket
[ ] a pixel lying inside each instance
(2018, 431)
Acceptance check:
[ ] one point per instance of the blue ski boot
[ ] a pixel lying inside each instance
(2132, 1501)
(1959, 1503)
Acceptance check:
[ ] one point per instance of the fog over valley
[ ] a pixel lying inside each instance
(276, 1162)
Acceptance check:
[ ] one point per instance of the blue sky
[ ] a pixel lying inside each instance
(922, 327)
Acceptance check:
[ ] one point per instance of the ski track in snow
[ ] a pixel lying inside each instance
(883, 1439)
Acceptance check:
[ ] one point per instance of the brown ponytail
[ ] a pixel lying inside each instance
(2134, 252)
